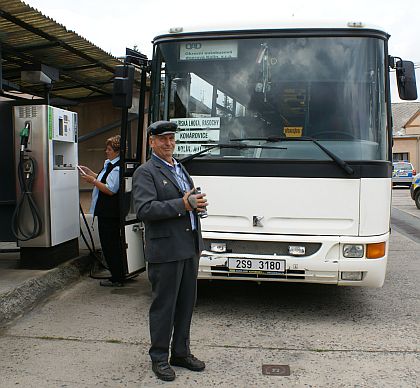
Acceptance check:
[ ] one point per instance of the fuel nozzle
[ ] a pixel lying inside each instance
(24, 136)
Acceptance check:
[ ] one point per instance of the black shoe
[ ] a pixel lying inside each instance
(163, 370)
(190, 362)
(109, 283)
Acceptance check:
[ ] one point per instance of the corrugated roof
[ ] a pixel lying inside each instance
(402, 112)
(30, 38)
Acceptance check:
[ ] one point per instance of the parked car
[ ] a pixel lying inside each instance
(415, 190)
(402, 173)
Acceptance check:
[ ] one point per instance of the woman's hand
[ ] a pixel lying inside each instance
(88, 178)
(98, 184)
(88, 171)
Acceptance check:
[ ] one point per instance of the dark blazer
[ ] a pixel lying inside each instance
(108, 206)
(158, 202)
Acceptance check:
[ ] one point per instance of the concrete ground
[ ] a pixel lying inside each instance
(10, 274)
(401, 200)
(87, 336)
(23, 289)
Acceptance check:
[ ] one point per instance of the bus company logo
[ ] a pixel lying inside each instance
(257, 221)
(191, 46)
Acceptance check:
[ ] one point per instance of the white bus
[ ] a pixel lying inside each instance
(288, 132)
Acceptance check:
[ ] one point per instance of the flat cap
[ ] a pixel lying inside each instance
(162, 128)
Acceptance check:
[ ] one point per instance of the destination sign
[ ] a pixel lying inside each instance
(197, 122)
(293, 131)
(203, 135)
(186, 148)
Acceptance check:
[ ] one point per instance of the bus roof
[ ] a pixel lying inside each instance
(277, 25)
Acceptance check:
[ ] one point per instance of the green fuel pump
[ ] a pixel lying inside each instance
(46, 219)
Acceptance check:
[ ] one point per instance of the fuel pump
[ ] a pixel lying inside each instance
(46, 219)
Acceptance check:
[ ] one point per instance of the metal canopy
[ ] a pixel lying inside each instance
(29, 39)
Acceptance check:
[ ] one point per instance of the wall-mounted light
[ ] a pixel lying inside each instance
(40, 75)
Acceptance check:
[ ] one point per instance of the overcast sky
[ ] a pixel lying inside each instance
(115, 25)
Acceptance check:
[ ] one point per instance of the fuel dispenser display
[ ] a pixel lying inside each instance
(46, 160)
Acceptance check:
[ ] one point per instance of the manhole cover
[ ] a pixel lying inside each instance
(276, 370)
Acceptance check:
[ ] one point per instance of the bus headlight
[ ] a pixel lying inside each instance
(296, 250)
(218, 247)
(353, 250)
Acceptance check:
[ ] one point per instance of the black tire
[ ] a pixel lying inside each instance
(417, 198)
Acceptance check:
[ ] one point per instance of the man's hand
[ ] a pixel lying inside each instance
(195, 202)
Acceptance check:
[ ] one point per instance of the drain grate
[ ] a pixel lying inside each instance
(276, 370)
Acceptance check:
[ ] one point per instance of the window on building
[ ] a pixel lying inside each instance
(399, 156)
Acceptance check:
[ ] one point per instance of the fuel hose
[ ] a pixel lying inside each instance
(26, 176)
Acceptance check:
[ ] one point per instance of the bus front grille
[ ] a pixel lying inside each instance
(263, 247)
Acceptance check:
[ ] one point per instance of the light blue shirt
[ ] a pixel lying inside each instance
(112, 181)
(182, 181)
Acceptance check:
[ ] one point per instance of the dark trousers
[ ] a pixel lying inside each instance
(109, 234)
(174, 292)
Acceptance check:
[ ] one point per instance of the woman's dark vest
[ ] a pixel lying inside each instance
(108, 205)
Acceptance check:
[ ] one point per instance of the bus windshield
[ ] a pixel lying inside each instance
(251, 90)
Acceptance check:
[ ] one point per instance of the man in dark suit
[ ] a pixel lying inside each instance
(164, 199)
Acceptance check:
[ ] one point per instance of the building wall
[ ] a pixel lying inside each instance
(413, 128)
(411, 146)
(91, 152)
(411, 142)
(92, 116)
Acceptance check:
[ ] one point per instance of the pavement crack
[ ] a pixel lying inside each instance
(76, 339)
(317, 350)
(276, 348)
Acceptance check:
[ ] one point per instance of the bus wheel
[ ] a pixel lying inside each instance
(417, 199)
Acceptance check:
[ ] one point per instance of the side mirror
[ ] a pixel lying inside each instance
(122, 95)
(406, 80)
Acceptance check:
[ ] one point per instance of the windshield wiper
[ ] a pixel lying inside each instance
(239, 146)
(274, 139)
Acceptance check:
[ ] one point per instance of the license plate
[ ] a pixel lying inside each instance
(256, 265)
(402, 174)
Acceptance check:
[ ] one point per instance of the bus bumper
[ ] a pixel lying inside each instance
(326, 265)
